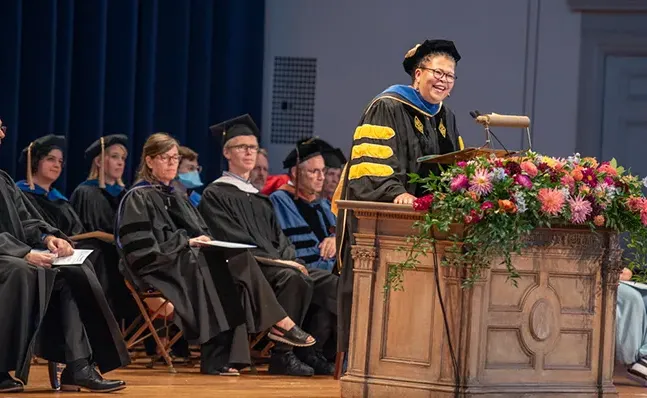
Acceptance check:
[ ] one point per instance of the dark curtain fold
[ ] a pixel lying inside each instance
(86, 68)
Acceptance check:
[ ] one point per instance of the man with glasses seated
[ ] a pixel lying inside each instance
(188, 174)
(235, 211)
(304, 217)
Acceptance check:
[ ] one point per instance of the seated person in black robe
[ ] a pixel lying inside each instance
(398, 126)
(217, 302)
(235, 211)
(95, 201)
(55, 312)
(45, 159)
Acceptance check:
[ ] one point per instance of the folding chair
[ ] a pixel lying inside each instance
(144, 322)
(140, 291)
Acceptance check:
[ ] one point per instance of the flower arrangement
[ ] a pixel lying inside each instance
(499, 201)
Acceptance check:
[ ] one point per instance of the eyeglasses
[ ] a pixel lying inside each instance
(439, 74)
(316, 172)
(170, 159)
(244, 148)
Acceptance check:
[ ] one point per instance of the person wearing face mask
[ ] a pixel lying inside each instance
(188, 174)
(96, 201)
(304, 217)
(216, 302)
(57, 312)
(398, 126)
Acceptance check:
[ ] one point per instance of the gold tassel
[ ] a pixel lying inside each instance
(102, 171)
(30, 179)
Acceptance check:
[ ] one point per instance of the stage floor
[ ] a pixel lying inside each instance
(189, 383)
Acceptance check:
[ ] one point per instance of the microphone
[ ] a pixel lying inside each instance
(476, 115)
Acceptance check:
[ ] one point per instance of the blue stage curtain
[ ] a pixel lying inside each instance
(87, 68)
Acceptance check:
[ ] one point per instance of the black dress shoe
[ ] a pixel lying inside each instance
(319, 363)
(288, 364)
(54, 370)
(11, 385)
(88, 379)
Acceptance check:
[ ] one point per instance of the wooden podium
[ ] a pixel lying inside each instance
(552, 336)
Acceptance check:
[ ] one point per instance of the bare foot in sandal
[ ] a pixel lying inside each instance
(227, 371)
(286, 331)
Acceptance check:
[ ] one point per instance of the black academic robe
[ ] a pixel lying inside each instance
(390, 137)
(104, 257)
(210, 295)
(96, 207)
(28, 327)
(238, 216)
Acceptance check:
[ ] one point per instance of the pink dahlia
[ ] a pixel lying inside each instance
(523, 180)
(481, 183)
(568, 181)
(461, 164)
(635, 204)
(580, 209)
(551, 200)
(459, 182)
(643, 216)
(487, 205)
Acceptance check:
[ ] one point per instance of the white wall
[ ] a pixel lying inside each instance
(519, 57)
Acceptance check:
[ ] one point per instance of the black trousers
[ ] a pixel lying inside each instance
(75, 340)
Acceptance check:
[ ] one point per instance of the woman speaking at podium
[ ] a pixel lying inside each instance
(401, 124)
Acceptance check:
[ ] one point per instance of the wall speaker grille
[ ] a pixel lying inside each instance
(293, 99)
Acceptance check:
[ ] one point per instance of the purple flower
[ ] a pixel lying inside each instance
(459, 182)
(523, 180)
(590, 178)
(487, 205)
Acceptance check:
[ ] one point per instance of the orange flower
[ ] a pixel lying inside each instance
(598, 220)
(607, 169)
(507, 206)
(585, 189)
(577, 173)
(591, 161)
(473, 195)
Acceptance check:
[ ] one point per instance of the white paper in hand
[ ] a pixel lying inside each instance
(228, 245)
(77, 258)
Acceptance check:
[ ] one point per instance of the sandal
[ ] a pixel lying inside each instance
(295, 337)
(227, 371)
